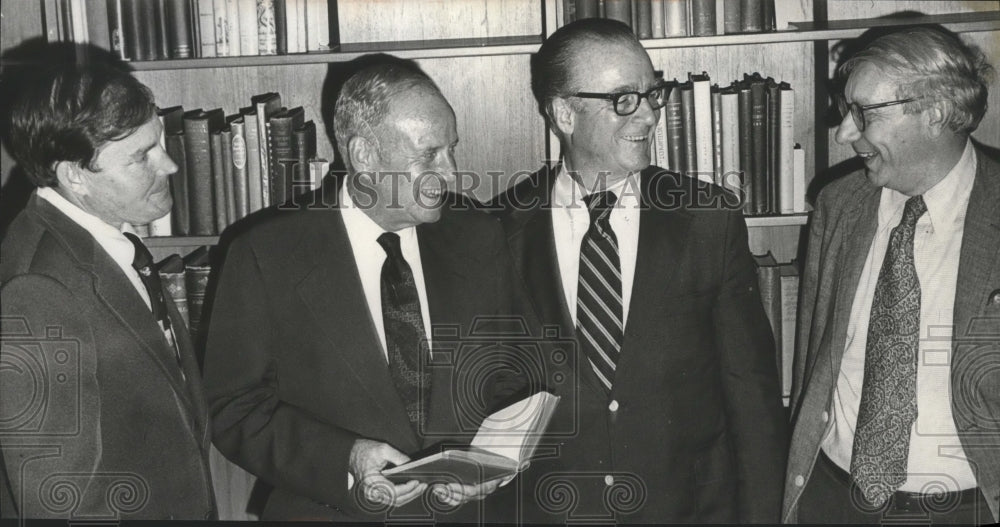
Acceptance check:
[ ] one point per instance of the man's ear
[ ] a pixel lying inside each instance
(363, 154)
(936, 116)
(562, 115)
(70, 176)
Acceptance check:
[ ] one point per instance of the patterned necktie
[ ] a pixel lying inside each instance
(142, 262)
(889, 392)
(405, 337)
(599, 293)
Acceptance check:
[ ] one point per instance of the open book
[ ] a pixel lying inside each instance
(502, 447)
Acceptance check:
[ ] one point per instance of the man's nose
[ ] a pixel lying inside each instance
(847, 130)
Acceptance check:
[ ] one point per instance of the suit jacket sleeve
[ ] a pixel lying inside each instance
(280, 443)
(52, 452)
(753, 398)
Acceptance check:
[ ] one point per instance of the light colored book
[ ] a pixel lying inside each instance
(786, 144)
(789, 285)
(731, 140)
(503, 446)
(207, 34)
(249, 40)
(704, 150)
(799, 178)
(317, 25)
(220, 15)
(657, 19)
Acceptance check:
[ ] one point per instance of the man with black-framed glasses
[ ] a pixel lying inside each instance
(671, 409)
(895, 396)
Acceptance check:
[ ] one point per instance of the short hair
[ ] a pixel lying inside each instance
(938, 65)
(68, 112)
(364, 100)
(552, 66)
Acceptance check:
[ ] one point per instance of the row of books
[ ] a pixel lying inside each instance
(178, 29)
(185, 280)
(229, 167)
(681, 18)
(740, 137)
(779, 292)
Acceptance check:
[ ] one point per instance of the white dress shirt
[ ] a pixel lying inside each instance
(935, 449)
(571, 220)
(111, 239)
(369, 256)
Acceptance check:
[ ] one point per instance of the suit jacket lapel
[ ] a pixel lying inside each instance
(333, 294)
(978, 265)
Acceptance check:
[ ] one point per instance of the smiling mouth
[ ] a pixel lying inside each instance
(635, 138)
(434, 193)
(867, 156)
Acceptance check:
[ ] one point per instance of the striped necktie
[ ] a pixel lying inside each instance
(599, 322)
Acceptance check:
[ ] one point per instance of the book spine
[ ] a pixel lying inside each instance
(702, 17)
(267, 35)
(767, 19)
(282, 159)
(690, 134)
(731, 141)
(305, 149)
(717, 134)
(228, 176)
(300, 20)
(789, 305)
(98, 26)
(585, 9)
(133, 26)
(249, 38)
(52, 20)
(241, 177)
(208, 37)
(786, 145)
(199, 171)
(675, 15)
(702, 100)
(196, 277)
(746, 147)
(732, 15)
(78, 21)
(620, 10)
(161, 20)
(799, 170)
(220, 27)
(751, 12)
(758, 134)
(180, 212)
(254, 178)
(656, 9)
(281, 25)
(318, 25)
(773, 145)
(117, 31)
(660, 141)
(673, 112)
(218, 181)
(644, 19)
(175, 288)
(179, 37)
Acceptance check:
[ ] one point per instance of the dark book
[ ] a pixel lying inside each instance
(265, 105)
(138, 28)
(758, 136)
(773, 146)
(620, 10)
(194, 27)
(746, 146)
(334, 18)
(218, 180)
(179, 36)
(586, 9)
(569, 11)
(673, 113)
(731, 16)
(98, 26)
(196, 273)
(767, 20)
(172, 119)
(116, 29)
(634, 11)
(687, 123)
(198, 126)
(241, 177)
(751, 12)
(702, 17)
(644, 19)
(280, 27)
(305, 149)
(228, 174)
(180, 214)
(162, 23)
(171, 271)
(282, 154)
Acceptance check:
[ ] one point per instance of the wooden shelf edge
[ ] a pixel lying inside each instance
(180, 241)
(421, 49)
(834, 30)
(783, 220)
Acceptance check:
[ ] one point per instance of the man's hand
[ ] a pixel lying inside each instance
(367, 460)
(455, 494)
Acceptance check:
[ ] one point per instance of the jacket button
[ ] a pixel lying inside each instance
(613, 406)
(608, 480)
(799, 481)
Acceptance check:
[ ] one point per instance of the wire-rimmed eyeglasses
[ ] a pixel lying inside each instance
(858, 111)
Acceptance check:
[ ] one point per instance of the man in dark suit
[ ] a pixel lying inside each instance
(895, 397)
(100, 392)
(673, 413)
(332, 351)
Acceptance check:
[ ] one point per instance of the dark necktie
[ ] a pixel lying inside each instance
(889, 392)
(142, 262)
(599, 292)
(405, 338)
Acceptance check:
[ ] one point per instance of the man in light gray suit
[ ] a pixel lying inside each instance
(896, 391)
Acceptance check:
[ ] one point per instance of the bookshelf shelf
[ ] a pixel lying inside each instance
(417, 49)
(833, 30)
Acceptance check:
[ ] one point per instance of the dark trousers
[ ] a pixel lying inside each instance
(829, 497)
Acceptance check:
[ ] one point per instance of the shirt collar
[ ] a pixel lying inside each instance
(110, 238)
(569, 192)
(945, 200)
(361, 227)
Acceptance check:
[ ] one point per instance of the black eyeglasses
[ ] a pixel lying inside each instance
(858, 111)
(627, 102)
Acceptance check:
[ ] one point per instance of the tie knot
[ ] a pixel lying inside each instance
(600, 205)
(914, 209)
(142, 260)
(390, 243)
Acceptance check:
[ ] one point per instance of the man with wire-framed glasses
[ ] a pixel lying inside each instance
(895, 417)
(671, 408)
